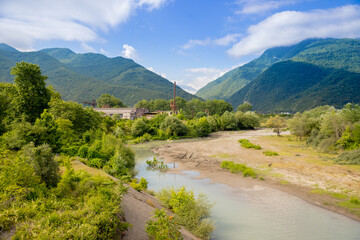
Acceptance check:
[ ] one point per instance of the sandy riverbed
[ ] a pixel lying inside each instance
(296, 170)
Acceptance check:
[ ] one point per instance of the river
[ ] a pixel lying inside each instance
(256, 212)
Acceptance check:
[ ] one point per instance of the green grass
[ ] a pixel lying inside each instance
(237, 168)
(247, 144)
(339, 196)
(270, 153)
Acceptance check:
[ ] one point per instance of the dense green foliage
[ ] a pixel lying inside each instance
(109, 101)
(329, 129)
(79, 207)
(237, 168)
(84, 77)
(31, 97)
(162, 226)
(191, 212)
(36, 201)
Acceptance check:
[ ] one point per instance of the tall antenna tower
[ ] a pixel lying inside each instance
(173, 103)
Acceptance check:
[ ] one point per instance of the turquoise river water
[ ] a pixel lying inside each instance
(253, 213)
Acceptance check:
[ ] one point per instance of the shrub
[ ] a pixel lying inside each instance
(139, 186)
(139, 127)
(270, 153)
(355, 200)
(247, 144)
(349, 158)
(83, 151)
(42, 160)
(237, 168)
(173, 126)
(191, 212)
(96, 162)
(156, 164)
(122, 163)
(161, 226)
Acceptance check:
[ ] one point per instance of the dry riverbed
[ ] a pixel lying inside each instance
(298, 170)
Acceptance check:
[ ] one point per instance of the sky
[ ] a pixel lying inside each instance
(192, 42)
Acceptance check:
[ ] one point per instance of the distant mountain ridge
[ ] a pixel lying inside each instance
(295, 78)
(83, 77)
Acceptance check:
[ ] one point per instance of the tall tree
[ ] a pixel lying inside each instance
(110, 101)
(32, 95)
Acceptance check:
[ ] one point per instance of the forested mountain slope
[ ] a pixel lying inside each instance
(336, 57)
(83, 77)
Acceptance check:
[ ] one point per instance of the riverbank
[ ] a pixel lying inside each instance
(297, 170)
(137, 207)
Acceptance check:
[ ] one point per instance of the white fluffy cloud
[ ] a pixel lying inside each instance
(202, 76)
(290, 27)
(261, 6)
(129, 52)
(152, 4)
(24, 21)
(223, 41)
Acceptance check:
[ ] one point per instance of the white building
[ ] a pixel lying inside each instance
(124, 113)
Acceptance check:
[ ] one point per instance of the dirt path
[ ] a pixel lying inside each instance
(297, 169)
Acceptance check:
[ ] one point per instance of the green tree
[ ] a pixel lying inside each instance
(144, 104)
(277, 123)
(297, 125)
(202, 127)
(43, 162)
(228, 121)
(83, 119)
(32, 95)
(109, 100)
(174, 126)
(161, 104)
(245, 107)
(23, 133)
(139, 127)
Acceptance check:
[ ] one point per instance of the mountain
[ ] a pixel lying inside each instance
(83, 77)
(325, 71)
(234, 80)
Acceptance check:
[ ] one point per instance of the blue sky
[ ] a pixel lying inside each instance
(189, 41)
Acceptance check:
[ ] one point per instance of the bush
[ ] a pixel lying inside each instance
(83, 151)
(191, 212)
(156, 164)
(96, 162)
(122, 163)
(174, 126)
(202, 127)
(237, 168)
(162, 226)
(270, 153)
(139, 186)
(355, 200)
(247, 144)
(139, 127)
(42, 160)
(349, 158)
